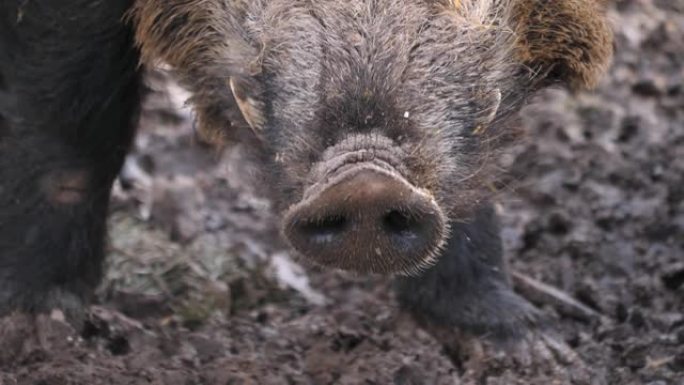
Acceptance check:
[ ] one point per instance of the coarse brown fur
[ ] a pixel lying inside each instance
(202, 40)
(568, 40)
(443, 62)
(205, 41)
(571, 39)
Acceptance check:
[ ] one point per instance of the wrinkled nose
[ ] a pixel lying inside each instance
(367, 220)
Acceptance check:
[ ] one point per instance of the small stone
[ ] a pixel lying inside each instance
(635, 356)
(407, 375)
(678, 363)
(650, 85)
(636, 319)
(673, 279)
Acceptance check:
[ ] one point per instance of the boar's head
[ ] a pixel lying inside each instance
(374, 120)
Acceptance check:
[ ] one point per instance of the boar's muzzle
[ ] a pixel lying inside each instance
(366, 217)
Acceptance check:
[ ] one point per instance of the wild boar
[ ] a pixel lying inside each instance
(375, 123)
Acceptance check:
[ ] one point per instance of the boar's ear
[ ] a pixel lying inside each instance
(251, 108)
(197, 37)
(567, 40)
(205, 43)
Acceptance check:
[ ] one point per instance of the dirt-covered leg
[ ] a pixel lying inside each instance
(468, 288)
(466, 301)
(69, 93)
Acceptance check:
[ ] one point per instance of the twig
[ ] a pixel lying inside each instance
(541, 293)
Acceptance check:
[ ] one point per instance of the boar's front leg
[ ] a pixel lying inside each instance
(467, 303)
(468, 288)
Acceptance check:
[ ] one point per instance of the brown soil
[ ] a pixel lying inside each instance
(200, 290)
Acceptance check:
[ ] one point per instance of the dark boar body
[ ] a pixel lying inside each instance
(375, 121)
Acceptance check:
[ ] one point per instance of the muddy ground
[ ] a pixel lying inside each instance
(200, 290)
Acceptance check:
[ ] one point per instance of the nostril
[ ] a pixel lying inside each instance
(396, 222)
(324, 230)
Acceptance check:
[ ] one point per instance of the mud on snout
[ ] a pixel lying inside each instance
(362, 214)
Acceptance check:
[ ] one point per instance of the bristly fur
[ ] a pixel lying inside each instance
(205, 43)
(208, 41)
(441, 79)
(571, 38)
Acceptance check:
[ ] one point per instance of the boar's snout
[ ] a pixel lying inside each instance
(369, 220)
